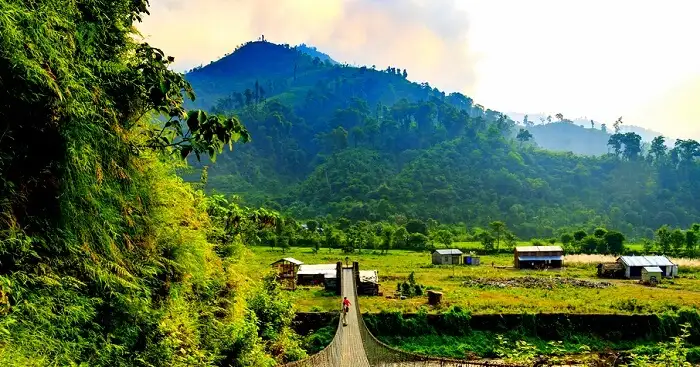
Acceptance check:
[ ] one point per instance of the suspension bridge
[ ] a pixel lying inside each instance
(355, 346)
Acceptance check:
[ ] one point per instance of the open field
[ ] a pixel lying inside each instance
(495, 290)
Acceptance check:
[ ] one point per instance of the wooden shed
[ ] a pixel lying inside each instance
(447, 257)
(287, 269)
(538, 257)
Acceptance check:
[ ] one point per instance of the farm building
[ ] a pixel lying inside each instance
(633, 265)
(447, 257)
(369, 283)
(538, 257)
(651, 274)
(287, 269)
(316, 274)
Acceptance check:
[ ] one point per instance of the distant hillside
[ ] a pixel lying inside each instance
(314, 52)
(578, 135)
(363, 144)
(569, 137)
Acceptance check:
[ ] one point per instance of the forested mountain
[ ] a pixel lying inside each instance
(366, 144)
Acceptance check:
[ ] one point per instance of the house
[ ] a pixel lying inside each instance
(316, 274)
(447, 257)
(287, 269)
(633, 265)
(369, 283)
(538, 257)
(651, 274)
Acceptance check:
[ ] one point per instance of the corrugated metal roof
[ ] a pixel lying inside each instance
(539, 258)
(653, 269)
(290, 259)
(538, 248)
(449, 252)
(371, 276)
(646, 261)
(310, 269)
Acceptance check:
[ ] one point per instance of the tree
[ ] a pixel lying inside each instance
(498, 229)
(283, 243)
(312, 226)
(615, 242)
(405, 74)
(523, 136)
(633, 147)
(590, 245)
(691, 242)
(615, 142)
(559, 117)
(599, 232)
(663, 236)
(677, 240)
(580, 235)
(417, 241)
(592, 124)
(444, 237)
(604, 128)
(416, 226)
(386, 241)
(658, 148)
(618, 125)
(566, 239)
(487, 241)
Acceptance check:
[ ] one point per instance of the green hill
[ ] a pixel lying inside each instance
(371, 145)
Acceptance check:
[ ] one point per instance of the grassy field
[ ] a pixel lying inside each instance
(622, 296)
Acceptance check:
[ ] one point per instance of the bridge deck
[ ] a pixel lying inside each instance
(353, 351)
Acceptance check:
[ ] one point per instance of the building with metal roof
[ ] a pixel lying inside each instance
(447, 257)
(538, 257)
(315, 274)
(635, 264)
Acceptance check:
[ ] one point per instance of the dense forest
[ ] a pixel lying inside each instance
(106, 257)
(365, 144)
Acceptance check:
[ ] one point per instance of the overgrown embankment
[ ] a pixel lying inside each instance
(458, 334)
(106, 257)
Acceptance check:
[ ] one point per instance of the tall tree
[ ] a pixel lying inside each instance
(498, 229)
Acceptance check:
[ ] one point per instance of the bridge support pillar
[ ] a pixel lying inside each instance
(338, 273)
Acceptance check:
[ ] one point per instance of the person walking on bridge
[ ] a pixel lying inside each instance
(346, 309)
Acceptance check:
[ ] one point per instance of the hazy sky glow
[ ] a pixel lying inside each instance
(595, 58)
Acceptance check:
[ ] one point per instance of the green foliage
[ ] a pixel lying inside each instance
(108, 258)
(672, 354)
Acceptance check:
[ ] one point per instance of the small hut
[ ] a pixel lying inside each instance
(287, 269)
(369, 283)
(651, 274)
(538, 257)
(447, 257)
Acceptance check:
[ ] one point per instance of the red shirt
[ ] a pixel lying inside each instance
(346, 302)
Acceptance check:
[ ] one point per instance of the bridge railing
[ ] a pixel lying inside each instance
(380, 354)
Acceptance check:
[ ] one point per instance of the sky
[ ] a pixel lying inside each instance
(596, 59)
